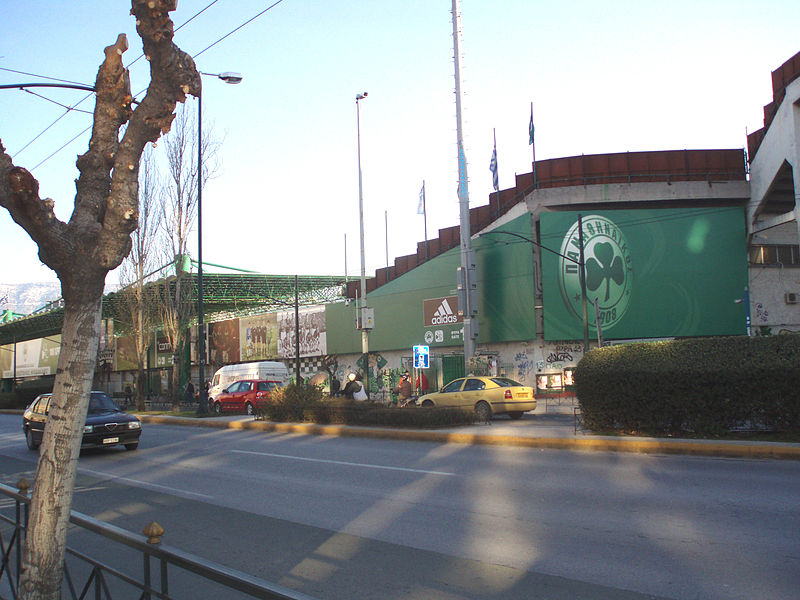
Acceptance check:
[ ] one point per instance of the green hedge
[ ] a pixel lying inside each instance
(307, 404)
(702, 386)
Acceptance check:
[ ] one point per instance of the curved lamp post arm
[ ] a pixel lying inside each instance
(522, 237)
(22, 86)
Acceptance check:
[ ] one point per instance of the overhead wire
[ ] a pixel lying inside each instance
(40, 134)
(46, 99)
(70, 109)
(238, 28)
(41, 76)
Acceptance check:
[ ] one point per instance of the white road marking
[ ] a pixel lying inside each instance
(348, 464)
(143, 483)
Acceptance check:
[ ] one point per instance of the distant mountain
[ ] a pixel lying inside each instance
(25, 298)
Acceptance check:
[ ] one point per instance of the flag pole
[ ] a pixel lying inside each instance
(533, 145)
(496, 166)
(425, 218)
(386, 222)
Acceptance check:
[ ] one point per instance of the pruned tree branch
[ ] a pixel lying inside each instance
(81, 252)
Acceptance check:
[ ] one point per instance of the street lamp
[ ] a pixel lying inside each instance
(361, 316)
(232, 78)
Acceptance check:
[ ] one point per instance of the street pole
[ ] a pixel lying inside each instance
(466, 281)
(202, 408)
(297, 378)
(361, 319)
(582, 267)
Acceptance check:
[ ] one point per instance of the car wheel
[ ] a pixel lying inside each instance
(517, 414)
(217, 408)
(132, 446)
(32, 443)
(484, 411)
(248, 408)
(427, 404)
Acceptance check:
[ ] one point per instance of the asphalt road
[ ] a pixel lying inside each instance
(357, 518)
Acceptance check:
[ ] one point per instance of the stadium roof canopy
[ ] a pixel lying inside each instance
(225, 296)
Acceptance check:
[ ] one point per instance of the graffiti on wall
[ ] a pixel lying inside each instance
(524, 365)
(762, 314)
(483, 365)
(375, 370)
(564, 354)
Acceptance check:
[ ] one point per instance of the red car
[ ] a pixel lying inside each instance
(244, 396)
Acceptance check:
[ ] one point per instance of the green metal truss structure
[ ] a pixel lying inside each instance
(225, 296)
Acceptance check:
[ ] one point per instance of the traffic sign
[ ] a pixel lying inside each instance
(421, 357)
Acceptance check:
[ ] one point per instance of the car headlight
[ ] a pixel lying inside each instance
(88, 429)
(134, 425)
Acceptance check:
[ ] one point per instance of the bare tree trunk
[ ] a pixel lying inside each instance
(180, 211)
(61, 446)
(142, 339)
(138, 299)
(81, 252)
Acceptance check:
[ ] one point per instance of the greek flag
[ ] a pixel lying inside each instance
(493, 169)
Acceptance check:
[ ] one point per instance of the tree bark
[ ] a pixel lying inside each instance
(81, 252)
(55, 476)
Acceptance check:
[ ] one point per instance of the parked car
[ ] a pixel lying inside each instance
(106, 423)
(264, 370)
(244, 396)
(486, 395)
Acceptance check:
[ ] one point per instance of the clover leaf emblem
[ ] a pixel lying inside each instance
(604, 267)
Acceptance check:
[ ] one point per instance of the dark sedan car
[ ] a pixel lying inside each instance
(106, 423)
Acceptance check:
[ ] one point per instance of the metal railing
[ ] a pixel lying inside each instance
(86, 576)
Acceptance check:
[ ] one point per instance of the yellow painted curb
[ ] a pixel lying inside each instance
(654, 446)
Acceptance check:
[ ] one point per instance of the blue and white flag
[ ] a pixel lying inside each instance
(421, 205)
(493, 169)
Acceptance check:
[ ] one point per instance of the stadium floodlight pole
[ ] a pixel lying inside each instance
(202, 408)
(467, 280)
(364, 330)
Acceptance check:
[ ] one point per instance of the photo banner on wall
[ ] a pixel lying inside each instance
(223, 343)
(258, 337)
(33, 358)
(653, 273)
(313, 333)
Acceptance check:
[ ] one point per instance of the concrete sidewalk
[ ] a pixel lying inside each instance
(549, 426)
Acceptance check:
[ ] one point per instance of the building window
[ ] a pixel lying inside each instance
(787, 255)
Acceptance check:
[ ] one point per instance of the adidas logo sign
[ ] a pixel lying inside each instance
(444, 314)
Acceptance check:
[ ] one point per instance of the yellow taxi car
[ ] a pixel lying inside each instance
(486, 395)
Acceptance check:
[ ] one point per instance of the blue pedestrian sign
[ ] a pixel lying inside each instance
(421, 357)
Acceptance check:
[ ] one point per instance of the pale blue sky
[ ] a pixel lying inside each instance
(603, 77)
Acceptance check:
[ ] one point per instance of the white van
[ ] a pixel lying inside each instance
(274, 371)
